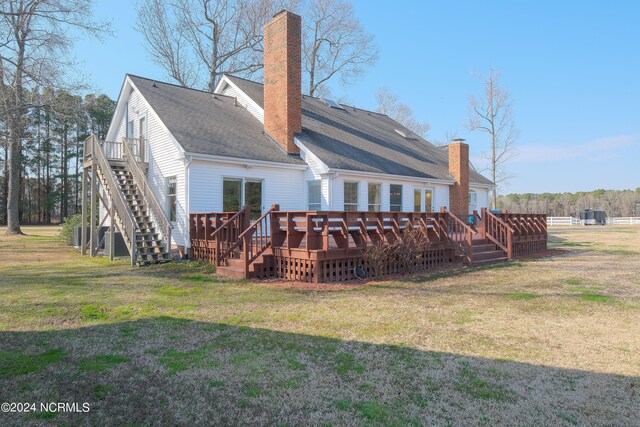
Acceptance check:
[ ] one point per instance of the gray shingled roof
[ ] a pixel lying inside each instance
(360, 140)
(205, 124)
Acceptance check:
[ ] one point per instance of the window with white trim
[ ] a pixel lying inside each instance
(395, 197)
(473, 201)
(314, 190)
(375, 197)
(172, 190)
(350, 196)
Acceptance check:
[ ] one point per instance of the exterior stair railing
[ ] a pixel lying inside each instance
(141, 181)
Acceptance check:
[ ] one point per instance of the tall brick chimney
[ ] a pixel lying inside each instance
(459, 170)
(282, 79)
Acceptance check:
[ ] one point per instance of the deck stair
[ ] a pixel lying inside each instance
(484, 252)
(117, 177)
(150, 247)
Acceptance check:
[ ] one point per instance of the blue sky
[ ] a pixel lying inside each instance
(572, 69)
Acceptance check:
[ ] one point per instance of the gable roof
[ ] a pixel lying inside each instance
(359, 140)
(212, 125)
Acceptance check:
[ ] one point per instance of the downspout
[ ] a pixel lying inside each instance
(187, 198)
(335, 175)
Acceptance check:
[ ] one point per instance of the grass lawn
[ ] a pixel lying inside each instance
(554, 341)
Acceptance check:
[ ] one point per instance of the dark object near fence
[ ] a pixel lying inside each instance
(120, 246)
(593, 217)
(360, 272)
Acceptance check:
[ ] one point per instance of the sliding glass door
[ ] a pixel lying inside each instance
(239, 192)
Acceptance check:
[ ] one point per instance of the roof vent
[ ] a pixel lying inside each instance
(406, 135)
(333, 104)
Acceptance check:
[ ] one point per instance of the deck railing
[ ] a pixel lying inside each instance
(497, 231)
(226, 237)
(459, 233)
(125, 220)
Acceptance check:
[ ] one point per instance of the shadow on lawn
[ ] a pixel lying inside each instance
(172, 371)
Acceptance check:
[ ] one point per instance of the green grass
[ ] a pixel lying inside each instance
(346, 364)
(478, 388)
(101, 391)
(101, 362)
(177, 361)
(14, 363)
(372, 411)
(596, 297)
(175, 344)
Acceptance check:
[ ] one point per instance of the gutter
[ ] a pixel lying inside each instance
(187, 182)
(243, 162)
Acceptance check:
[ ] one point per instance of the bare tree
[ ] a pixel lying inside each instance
(196, 41)
(389, 104)
(334, 44)
(36, 36)
(493, 114)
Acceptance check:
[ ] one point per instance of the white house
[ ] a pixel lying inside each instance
(260, 144)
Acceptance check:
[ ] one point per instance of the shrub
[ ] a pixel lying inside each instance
(403, 250)
(66, 234)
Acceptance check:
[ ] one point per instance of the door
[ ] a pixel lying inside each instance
(253, 198)
(428, 200)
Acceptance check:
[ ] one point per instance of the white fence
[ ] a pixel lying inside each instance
(571, 220)
(562, 220)
(627, 220)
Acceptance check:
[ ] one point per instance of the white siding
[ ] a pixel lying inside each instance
(483, 197)
(440, 192)
(244, 100)
(285, 187)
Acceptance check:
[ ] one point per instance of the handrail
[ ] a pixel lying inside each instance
(461, 234)
(127, 222)
(498, 231)
(237, 222)
(256, 235)
(147, 193)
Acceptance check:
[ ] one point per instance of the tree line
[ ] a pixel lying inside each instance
(50, 166)
(615, 202)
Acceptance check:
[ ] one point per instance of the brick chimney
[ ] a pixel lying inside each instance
(459, 170)
(282, 79)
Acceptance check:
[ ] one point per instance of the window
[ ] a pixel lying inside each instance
(428, 200)
(142, 134)
(315, 195)
(417, 201)
(239, 192)
(231, 195)
(253, 198)
(142, 129)
(375, 197)
(350, 196)
(395, 197)
(473, 201)
(172, 184)
(130, 129)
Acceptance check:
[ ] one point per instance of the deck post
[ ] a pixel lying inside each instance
(83, 230)
(112, 237)
(92, 220)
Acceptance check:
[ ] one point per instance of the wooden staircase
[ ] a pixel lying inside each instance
(119, 181)
(150, 247)
(233, 266)
(484, 252)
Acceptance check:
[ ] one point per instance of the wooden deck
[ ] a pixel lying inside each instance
(320, 246)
